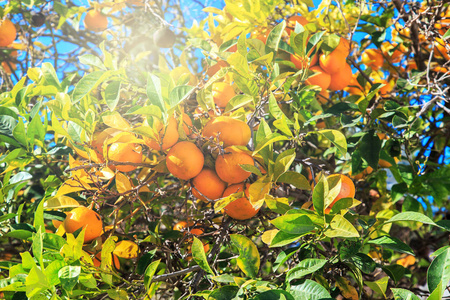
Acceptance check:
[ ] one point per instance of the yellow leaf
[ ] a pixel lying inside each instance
(116, 121)
(123, 185)
(268, 236)
(126, 249)
(60, 202)
(71, 186)
(258, 191)
(347, 290)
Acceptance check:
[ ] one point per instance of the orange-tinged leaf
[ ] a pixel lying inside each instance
(71, 186)
(407, 261)
(347, 290)
(123, 185)
(126, 249)
(115, 120)
(258, 191)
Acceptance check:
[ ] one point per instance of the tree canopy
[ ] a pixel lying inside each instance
(254, 149)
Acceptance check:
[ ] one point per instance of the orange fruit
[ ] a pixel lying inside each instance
(208, 184)
(83, 217)
(372, 58)
(323, 97)
(167, 135)
(299, 62)
(95, 21)
(291, 21)
(222, 93)
(320, 78)
(343, 46)
(228, 165)
(57, 223)
(441, 50)
(333, 62)
(187, 124)
(9, 67)
(230, 131)
(125, 152)
(385, 90)
(185, 160)
(8, 32)
(241, 208)
(196, 231)
(347, 189)
(182, 225)
(215, 68)
(341, 79)
(98, 260)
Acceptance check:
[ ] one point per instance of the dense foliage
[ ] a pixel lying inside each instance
(270, 150)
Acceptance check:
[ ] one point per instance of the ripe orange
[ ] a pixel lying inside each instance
(241, 208)
(167, 135)
(372, 58)
(185, 160)
(95, 21)
(299, 62)
(347, 189)
(291, 21)
(7, 32)
(83, 217)
(343, 46)
(320, 78)
(98, 260)
(222, 93)
(333, 62)
(187, 124)
(228, 165)
(9, 67)
(209, 184)
(354, 88)
(57, 223)
(125, 152)
(230, 131)
(182, 225)
(323, 97)
(341, 79)
(385, 90)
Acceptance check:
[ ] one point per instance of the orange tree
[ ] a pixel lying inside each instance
(272, 150)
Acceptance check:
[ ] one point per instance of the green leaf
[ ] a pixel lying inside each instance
(7, 217)
(395, 272)
(379, 286)
(92, 60)
(239, 63)
(402, 294)
(283, 238)
(112, 94)
(38, 221)
(68, 276)
(36, 282)
(305, 267)
(227, 292)
(154, 93)
(309, 290)
(86, 85)
(274, 37)
(50, 76)
(411, 216)
(52, 270)
(439, 271)
(198, 253)
(392, 243)
(37, 246)
(364, 262)
(36, 131)
(370, 147)
(296, 179)
(319, 194)
(294, 224)
(274, 295)
(20, 134)
(337, 138)
(283, 162)
(278, 205)
(268, 140)
(179, 94)
(341, 227)
(438, 292)
(150, 272)
(249, 258)
(284, 257)
(238, 101)
(53, 241)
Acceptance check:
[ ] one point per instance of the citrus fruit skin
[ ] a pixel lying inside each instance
(333, 62)
(228, 165)
(231, 132)
(95, 21)
(164, 38)
(7, 32)
(185, 160)
(372, 58)
(125, 152)
(167, 136)
(341, 79)
(222, 93)
(208, 184)
(182, 225)
(241, 208)
(321, 78)
(347, 189)
(83, 217)
(290, 23)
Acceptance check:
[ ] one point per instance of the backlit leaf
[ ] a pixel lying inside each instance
(249, 258)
